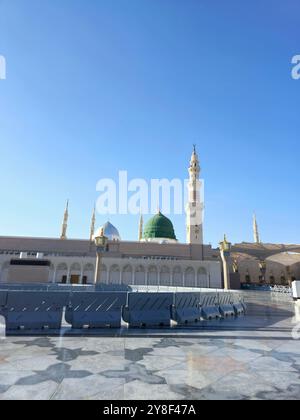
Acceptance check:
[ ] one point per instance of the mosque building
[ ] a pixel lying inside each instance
(156, 258)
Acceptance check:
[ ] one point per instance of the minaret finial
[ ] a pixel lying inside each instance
(93, 222)
(65, 222)
(141, 226)
(194, 146)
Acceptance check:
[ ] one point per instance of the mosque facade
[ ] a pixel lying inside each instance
(156, 258)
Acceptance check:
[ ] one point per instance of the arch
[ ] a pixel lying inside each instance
(140, 275)
(152, 276)
(61, 273)
(177, 276)
(127, 274)
(75, 273)
(202, 277)
(189, 277)
(165, 276)
(88, 273)
(283, 280)
(114, 274)
(75, 267)
(103, 274)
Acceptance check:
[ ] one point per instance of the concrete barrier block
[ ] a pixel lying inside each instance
(3, 298)
(239, 308)
(186, 308)
(148, 309)
(209, 305)
(210, 312)
(226, 310)
(95, 309)
(34, 310)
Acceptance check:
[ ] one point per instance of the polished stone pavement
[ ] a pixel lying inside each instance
(251, 357)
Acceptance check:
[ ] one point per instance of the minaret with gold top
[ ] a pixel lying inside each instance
(194, 222)
(141, 226)
(64, 227)
(255, 230)
(93, 222)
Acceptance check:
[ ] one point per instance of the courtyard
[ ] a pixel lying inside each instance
(249, 357)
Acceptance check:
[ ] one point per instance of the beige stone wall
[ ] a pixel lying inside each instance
(30, 274)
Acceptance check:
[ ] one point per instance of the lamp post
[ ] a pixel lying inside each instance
(100, 242)
(263, 269)
(225, 248)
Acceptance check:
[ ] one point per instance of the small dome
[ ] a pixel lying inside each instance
(110, 231)
(159, 226)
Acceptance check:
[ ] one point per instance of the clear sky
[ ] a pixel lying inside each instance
(97, 86)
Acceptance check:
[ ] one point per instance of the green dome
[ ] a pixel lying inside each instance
(159, 227)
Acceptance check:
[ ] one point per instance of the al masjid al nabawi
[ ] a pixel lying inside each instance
(155, 259)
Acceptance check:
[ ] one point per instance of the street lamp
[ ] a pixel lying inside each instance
(101, 243)
(225, 248)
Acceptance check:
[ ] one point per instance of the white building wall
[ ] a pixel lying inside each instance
(140, 271)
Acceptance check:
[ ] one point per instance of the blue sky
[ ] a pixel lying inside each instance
(94, 87)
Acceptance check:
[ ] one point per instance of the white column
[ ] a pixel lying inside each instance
(68, 275)
(81, 276)
(208, 280)
(54, 275)
(120, 275)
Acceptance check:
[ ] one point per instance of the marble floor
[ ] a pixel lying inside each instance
(251, 357)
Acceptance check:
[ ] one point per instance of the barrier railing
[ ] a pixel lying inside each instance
(41, 308)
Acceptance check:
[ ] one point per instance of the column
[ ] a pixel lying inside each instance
(208, 280)
(68, 275)
(98, 268)
(225, 271)
(54, 274)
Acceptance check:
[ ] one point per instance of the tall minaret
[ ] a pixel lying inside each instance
(194, 225)
(93, 222)
(65, 223)
(255, 230)
(141, 225)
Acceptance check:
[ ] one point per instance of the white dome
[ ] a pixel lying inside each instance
(110, 231)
